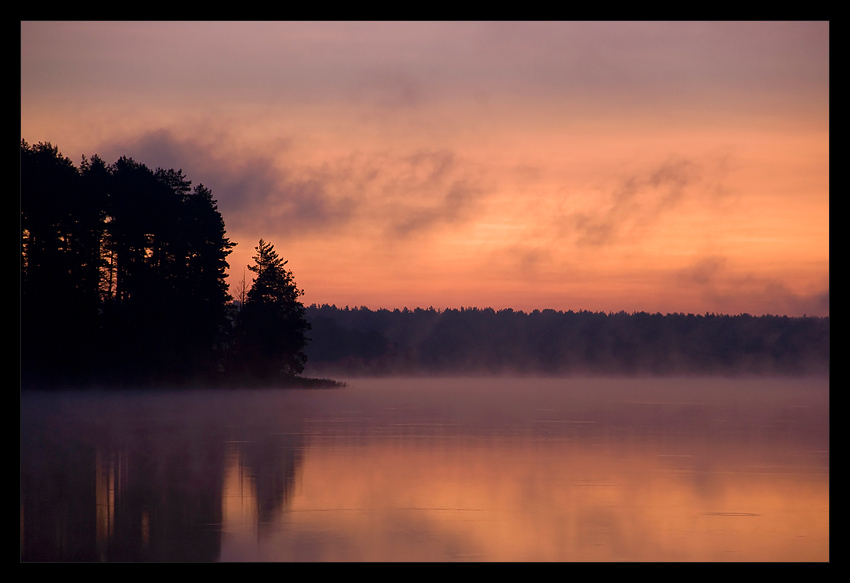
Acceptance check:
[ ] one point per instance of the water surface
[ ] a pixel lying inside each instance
(432, 469)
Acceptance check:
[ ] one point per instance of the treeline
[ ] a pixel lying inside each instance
(123, 282)
(485, 341)
(122, 271)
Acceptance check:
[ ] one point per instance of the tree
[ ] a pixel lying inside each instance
(122, 272)
(168, 301)
(61, 224)
(270, 329)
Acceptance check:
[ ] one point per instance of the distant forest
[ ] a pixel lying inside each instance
(123, 284)
(548, 342)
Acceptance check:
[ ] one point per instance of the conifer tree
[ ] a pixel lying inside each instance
(122, 272)
(270, 329)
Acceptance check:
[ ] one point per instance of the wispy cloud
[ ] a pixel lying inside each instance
(396, 196)
(730, 290)
(641, 198)
(253, 192)
(563, 161)
(428, 189)
(703, 271)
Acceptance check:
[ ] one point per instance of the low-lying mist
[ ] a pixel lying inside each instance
(472, 341)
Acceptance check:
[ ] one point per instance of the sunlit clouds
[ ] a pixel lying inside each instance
(600, 166)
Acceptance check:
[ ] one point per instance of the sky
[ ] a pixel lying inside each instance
(638, 166)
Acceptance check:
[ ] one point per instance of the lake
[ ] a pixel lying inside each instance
(432, 469)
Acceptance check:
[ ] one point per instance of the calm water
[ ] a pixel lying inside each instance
(425, 469)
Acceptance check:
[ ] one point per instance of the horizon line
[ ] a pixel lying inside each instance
(541, 310)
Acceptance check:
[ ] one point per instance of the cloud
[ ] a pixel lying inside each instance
(390, 195)
(428, 189)
(528, 261)
(252, 191)
(703, 271)
(450, 209)
(772, 296)
(641, 198)
(731, 292)
(793, 304)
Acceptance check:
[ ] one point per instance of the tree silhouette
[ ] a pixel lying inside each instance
(61, 224)
(122, 272)
(484, 341)
(270, 329)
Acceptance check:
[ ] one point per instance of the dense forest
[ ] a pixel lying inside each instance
(123, 282)
(549, 342)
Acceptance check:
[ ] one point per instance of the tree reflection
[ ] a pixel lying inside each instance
(102, 480)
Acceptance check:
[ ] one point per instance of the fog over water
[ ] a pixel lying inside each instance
(449, 469)
(576, 276)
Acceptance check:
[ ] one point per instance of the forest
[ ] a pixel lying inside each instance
(357, 341)
(123, 284)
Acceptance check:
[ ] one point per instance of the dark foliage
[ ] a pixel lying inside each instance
(122, 273)
(269, 335)
(122, 283)
(484, 341)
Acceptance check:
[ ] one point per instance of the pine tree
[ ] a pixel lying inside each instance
(270, 329)
(122, 272)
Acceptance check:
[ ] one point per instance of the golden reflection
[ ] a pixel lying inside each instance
(468, 499)
(239, 498)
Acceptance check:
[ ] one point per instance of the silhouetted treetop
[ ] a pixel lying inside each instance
(270, 327)
(274, 283)
(122, 271)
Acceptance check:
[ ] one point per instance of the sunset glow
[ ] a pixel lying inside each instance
(655, 507)
(660, 167)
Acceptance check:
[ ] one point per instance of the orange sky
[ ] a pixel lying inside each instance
(600, 166)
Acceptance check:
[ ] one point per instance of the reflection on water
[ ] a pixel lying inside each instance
(416, 469)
